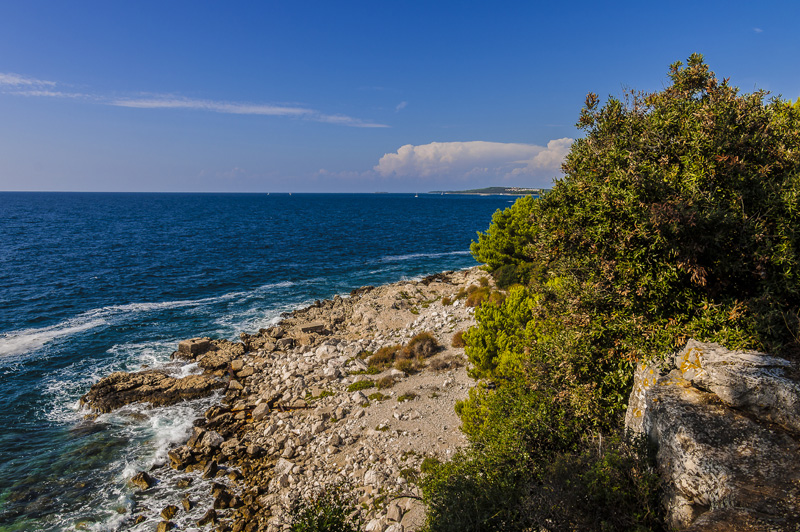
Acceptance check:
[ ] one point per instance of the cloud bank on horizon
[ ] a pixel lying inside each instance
(476, 159)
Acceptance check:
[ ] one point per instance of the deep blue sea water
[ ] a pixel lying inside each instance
(92, 283)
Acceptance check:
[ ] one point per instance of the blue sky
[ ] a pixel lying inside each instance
(343, 96)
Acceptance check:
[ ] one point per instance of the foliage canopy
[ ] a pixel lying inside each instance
(678, 216)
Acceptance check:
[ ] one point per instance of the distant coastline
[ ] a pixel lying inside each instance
(498, 191)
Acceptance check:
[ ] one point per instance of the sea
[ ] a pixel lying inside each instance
(92, 283)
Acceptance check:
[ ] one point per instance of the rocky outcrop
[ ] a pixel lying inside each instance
(725, 425)
(154, 387)
(289, 424)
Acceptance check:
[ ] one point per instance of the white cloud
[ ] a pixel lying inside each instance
(169, 102)
(401, 105)
(758, 30)
(208, 105)
(475, 159)
(26, 86)
(49, 94)
(16, 80)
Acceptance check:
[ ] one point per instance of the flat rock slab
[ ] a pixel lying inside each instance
(154, 387)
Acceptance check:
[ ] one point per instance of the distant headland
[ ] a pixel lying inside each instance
(506, 191)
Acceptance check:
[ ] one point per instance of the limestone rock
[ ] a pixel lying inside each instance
(154, 387)
(193, 347)
(143, 480)
(394, 512)
(751, 381)
(723, 469)
(260, 412)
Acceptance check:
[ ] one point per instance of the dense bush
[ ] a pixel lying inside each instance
(678, 217)
(422, 345)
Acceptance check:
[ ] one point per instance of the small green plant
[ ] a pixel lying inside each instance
(429, 465)
(408, 367)
(334, 509)
(384, 357)
(364, 354)
(408, 396)
(458, 340)
(385, 382)
(361, 385)
(478, 296)
(377, 396)
(410, 475)
(369, 371)
(414, 311)
(446, 301)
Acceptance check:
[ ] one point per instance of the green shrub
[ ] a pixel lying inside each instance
(409, 396)
(610, 486)
(458, 339)
(332, 510)
(385, 382)
(423, 345)
(377, 396)
(361, 385)
(678, 217)
(408, 367)
(510, 274)
(369, 371)
(384, 357)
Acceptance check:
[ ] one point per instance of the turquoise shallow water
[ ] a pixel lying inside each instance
(94, 283)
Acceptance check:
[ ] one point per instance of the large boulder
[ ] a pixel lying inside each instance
(221, 356)
(154, 387)
(713, 416)
(192, 348)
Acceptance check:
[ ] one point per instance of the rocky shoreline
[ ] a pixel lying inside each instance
(354, 391)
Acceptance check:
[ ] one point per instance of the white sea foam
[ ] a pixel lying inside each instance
(29, 340)
(413, 256)
(26, 340)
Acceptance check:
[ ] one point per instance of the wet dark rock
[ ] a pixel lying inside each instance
(169, 512)
(154, 387)
(163, 526)
(180, 457)
(208, 518)
(211, 469)
(143, 480)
